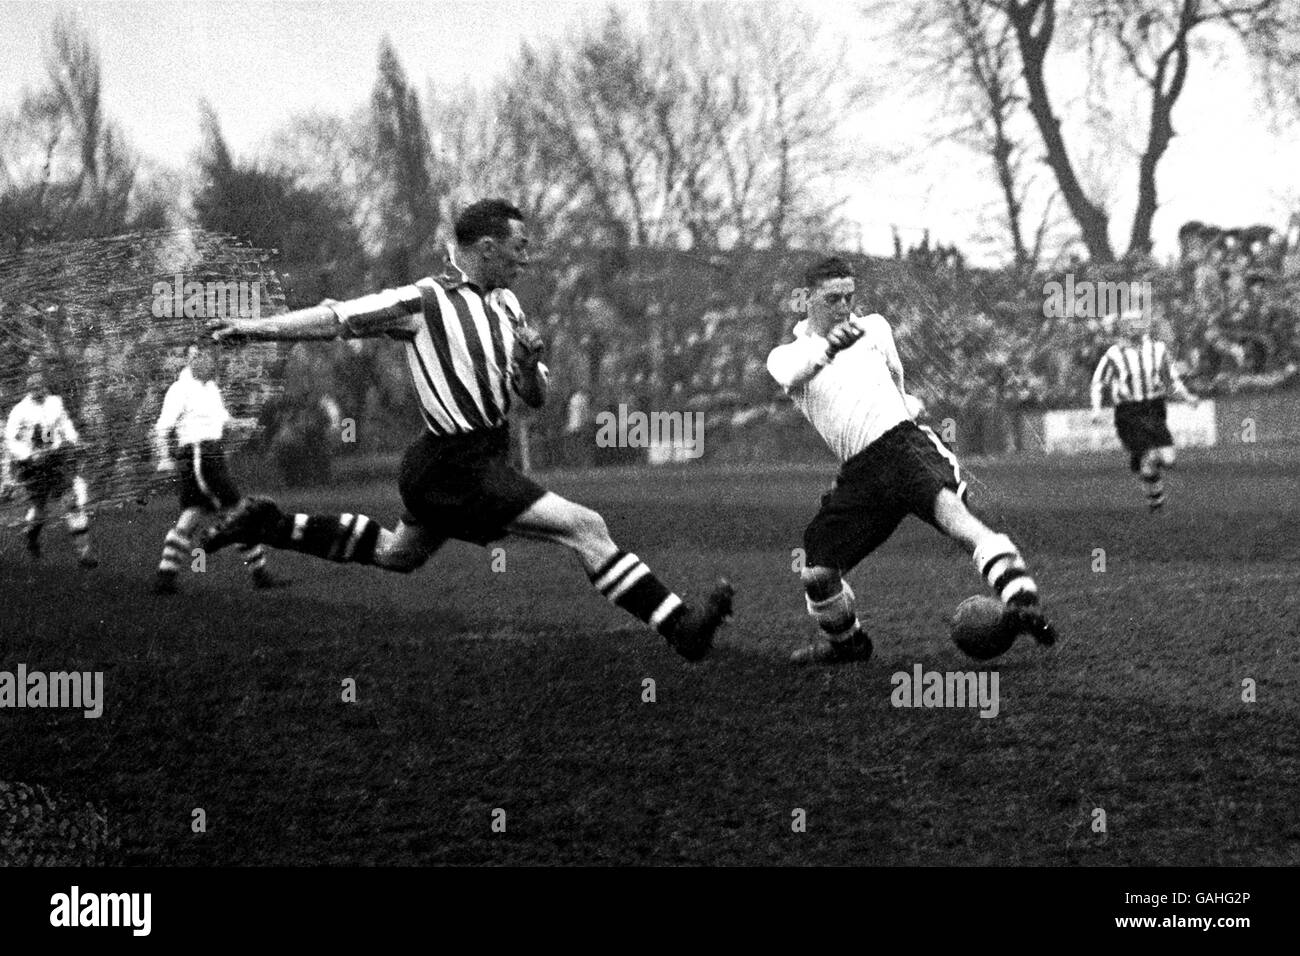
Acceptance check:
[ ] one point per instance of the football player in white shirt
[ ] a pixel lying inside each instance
(39, 448)
(843, 372)
(194, 411)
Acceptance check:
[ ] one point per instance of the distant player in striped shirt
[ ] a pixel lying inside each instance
(843, 372)
(1139, 373)
(40, 447)
(194, 418)
(468, 347)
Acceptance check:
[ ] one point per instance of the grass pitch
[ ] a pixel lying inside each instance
(501, 681)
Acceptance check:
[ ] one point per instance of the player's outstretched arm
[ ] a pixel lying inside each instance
(318, 323)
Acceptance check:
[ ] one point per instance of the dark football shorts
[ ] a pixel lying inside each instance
(1141, 427)
(900, 473)
(45, 479)
(464, 486)
(205, 480)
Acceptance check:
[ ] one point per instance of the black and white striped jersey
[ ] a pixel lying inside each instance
(459, 342)
(1136, 373)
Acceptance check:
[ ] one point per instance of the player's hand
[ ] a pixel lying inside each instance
(166, 466)
(843, 335)
(226, 330)
(529, 347)
(915, 407)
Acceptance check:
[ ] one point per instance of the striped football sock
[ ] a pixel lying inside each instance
(835, 615)
(176, 552)
(1004, 569)
(254, 557)
(343, 538)
(1154, 486)
(626, 582)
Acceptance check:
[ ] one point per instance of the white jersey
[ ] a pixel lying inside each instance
(851, 398)
(37, 426)
(195, 409)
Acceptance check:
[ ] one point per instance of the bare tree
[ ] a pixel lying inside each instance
(714, 126)
(970, 47)
(1155, 40)
(66, 170)
(1034, 26)
(1003, 48)
(411, 205)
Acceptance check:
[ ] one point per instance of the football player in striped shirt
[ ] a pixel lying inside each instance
(843, 372)
(194, 415)
(469, 348)
(40, 444)
(1140, 373)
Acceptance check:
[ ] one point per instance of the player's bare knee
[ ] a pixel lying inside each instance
(820, 583)
(587, 530)
(954, 518)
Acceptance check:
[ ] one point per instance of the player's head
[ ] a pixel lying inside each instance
(491, 242)
(190, 352)
(831, 285)
(37, 387)
(1134, 323)
(203, 363)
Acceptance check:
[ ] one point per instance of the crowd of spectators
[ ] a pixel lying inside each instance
(656, 330)
(1234, 304)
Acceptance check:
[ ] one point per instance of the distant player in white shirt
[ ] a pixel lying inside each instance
(39, 449)
(843, 372)
(194, 419)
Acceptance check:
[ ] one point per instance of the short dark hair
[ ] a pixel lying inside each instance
(832, 267)
(487, 217)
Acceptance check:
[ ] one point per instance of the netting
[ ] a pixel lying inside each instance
(109, 320)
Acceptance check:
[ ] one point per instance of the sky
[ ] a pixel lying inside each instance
(261, 63)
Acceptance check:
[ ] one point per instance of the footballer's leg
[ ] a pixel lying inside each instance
(177, 548)
(938, 495)
(856, 516)
(215, 483)
(78, 522)
(33, 522)
(345, 538)
(38, 491)
(1151, 475)
(998, 560)
(623, 578)
(831, 603)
